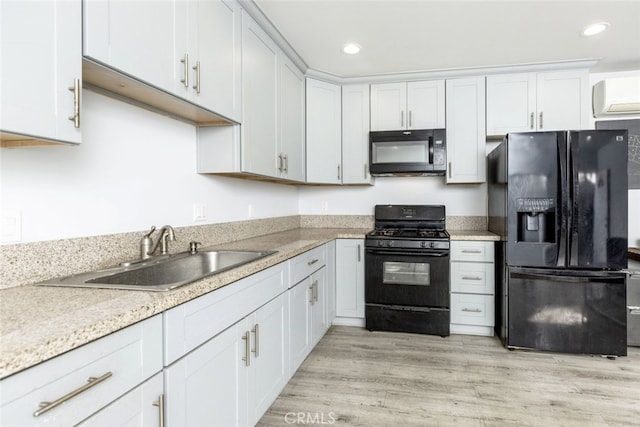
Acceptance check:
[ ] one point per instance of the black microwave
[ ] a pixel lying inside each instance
(408, 152)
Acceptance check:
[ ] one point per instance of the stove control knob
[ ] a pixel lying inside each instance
(423, 244)
(432, 244)
(380, 243)
(390, 243)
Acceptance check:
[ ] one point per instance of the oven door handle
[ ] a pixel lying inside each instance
(411, 253)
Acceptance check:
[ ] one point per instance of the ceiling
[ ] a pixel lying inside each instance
(400, 36)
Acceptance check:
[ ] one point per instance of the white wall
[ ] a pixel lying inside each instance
(469, 199)
(634, 195)
(134, 169)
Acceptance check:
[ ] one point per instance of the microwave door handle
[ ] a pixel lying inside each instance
(430, 150)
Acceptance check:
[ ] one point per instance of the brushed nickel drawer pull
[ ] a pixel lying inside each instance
(471, 251)
(91, 382)
(256, 330)
(310, 263)
(160, 405)
(471, 278)
(76, 103)
(472, 310)
(247, 348)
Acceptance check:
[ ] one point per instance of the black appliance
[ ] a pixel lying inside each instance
(410, 152)
(407, 270)
(559, 200)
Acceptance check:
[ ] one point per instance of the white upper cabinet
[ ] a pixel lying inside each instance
(412, 105)
(188, 49)
(136, 38)
(466, 130)
(291, 160)
(355, 134)
(40, 71)
(213, 34)
(324, 133)
(260, 100)
(528, 102)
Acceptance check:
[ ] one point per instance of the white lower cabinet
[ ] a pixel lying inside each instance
(349, 285)
(472, 287)
(142, 406)
(308, 314)
(232, 379)
(71, 387)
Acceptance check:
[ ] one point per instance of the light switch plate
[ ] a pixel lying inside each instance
(199, 212)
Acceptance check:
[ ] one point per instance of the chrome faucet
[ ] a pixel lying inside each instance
(146, 243)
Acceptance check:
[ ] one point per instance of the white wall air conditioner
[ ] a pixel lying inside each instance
(616, 96)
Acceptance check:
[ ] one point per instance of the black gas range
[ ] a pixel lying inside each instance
(407, 270)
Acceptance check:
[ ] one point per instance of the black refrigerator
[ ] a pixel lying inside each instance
(559, 201)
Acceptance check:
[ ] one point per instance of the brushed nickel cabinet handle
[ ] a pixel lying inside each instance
(280, 161)
(338, 172)
(311, 293)
(472, 310)
(160, 405)
(540, 123)
(185, 61)
(256, 331)
(410, 118)
(315, 291)
(365, 171)
(313, 261)
(91, 382)
(531, 124)
(196, 68)
(471, 278)
(76, 103)
(286, 163)
(401, 118)
(449, 169)
(247, 348)
(471, 251)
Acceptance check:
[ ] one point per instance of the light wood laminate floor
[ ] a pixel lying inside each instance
(359, 378)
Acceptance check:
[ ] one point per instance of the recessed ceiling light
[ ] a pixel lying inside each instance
(594, 29)
(351, 48)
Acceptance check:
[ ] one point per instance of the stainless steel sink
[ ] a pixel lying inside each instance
(162, 274)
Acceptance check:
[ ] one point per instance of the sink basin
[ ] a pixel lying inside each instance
(163, 274)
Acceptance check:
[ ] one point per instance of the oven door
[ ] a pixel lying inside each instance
(407, 277)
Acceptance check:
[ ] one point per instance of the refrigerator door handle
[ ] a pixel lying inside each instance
(563, 215)
(567, 279)
(573, 216)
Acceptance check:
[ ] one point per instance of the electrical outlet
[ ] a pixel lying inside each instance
(250, 212)
(324, 206)
(199, 212)
(11, 227)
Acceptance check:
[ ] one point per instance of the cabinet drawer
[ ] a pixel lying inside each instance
(471, 309)
(305, 264)
(467, 250)
(472, 277)
(191, 324)
(119, 362)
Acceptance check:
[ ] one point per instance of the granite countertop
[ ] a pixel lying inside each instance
(38, 323)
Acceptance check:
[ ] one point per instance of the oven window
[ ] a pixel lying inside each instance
(406, 273)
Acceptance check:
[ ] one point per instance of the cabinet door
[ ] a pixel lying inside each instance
(563, 100)
(466, 130)
(140, 407)
(350, 278)
(136, 38)
(41, 59)
(291, 161)
(217, 57)
(299, 324)
(355, 134)
(259, 99)
(511, 103)
(388, 106)
(269, 371)
(209, 385)
(425, 105)
(324, 145)
(318, 300)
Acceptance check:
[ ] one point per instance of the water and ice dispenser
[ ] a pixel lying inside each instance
(536, 220)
